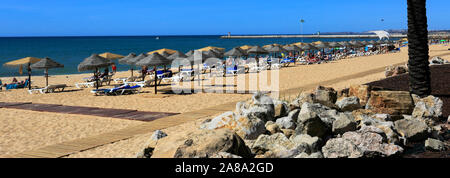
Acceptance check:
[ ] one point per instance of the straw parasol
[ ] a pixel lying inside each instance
(208, 48)
(345, 44)
(356, 44)
(154, 59)
(160, 51)
(111, 56)
(177, 54)
(24, 61)
(126, 60)
(292, 48)
(46, 64)
(299, 44)
(257, 50)
(235, 52)
(308, 46)
(321, 45)
(93, 62)
(334, 45)
(276, 49)
(246, 47)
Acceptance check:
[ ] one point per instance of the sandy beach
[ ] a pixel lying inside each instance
(23, 130)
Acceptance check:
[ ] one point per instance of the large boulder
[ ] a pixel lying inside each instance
(158, 134)
(326, 96)
(246, 127)
(389, 71)
(312, 155)
(348, 103)
(278, 144)
(273, 128)
(428, 107)
(281, 108)
(201, 144)
(434, 145)
(305, 97)
(412, 129)
(312, 144)
(286, 123)
(345, 123)
(260, 106)
(363, 143)
(311, 124)
(360, 91)
(395, 103)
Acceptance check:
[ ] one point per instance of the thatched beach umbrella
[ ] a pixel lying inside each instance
(235, 52)
(321, 45)
(154, 59)
(308, 46)
(161, 51)
(126, 60)
(208, 48)
(257, 50)
(356, 44)
(24, 61)
(292, 48)
(111, 56)
(46, 64)
(246, 47)
(94, 62)
(345, 44)
(176, 55)
(334, 45)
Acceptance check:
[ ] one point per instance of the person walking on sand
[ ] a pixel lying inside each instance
(114, 68)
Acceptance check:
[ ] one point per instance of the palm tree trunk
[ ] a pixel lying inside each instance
(418, 64)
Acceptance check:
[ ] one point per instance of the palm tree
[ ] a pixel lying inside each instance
(418, 64)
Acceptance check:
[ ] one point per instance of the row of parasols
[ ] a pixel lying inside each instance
(166, 56)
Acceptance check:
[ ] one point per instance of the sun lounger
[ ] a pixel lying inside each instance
(124, 89)
(49, 89)
(86, 85)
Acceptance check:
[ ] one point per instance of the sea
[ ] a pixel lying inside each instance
(70, 51)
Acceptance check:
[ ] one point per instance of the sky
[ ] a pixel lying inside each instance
(207, 17)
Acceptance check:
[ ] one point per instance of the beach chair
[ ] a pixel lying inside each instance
(124, 89)
(49, 89)
(86, 84)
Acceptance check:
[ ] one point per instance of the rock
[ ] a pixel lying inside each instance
(207, 143)
(200, 143)
(389, 71)
(158, 134)
(244, 126)
(363, 143)
(288, 132)
(329, 116)
(286, 123)
(360, 91)
(428, 107)
(434, 145)
(294, 114)
(312, 143)
(224, 155)
(341, 148)
(399, 70)
(281, 108)
(325, 96)
(349, 103)
(412, 129)
(312, 155)
(382, 117)
(344, 124)
(260, 106)
(278, 144)
(273, 128)
(438, 61)
(448, 120)
(440, 132)
(311, 124)
(394, 103)
(343, 93)
(304, 97)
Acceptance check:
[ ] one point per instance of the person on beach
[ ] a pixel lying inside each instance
(14, 80)
(114, 68)
(105, 73)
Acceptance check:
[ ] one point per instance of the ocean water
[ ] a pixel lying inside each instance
(70, 51)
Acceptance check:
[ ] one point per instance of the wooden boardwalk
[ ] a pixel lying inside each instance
(70, 147)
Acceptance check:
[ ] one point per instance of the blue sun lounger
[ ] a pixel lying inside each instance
(124, 89)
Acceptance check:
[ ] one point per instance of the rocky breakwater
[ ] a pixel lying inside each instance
(355, 123)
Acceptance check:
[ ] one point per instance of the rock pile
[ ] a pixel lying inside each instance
(394, 71)
(438, 61)
(355, 123)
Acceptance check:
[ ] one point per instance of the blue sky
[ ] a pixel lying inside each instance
(206, 17)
